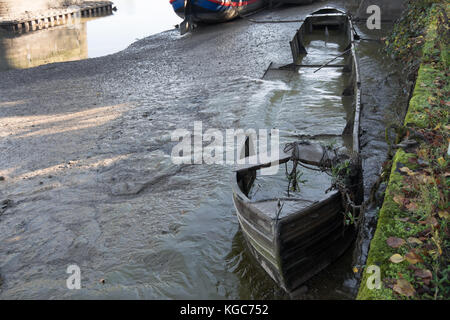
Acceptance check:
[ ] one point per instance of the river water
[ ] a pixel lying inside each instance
(89, 179)
(94, 37)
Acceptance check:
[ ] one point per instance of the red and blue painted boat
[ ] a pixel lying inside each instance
(211, 11)
(215, 10)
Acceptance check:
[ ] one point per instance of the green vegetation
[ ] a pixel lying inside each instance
(407, 40)
(295, 179)
(411, 244)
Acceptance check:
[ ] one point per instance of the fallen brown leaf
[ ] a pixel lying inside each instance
(412, 206)
(395, 242)
(430, 221)
(441, 161)
(405, 288)
(412, 240)
(423, 273)
(426, 179)
(407, 170)
(413, 257)
(396, 258)
(443, 214)
(399, 199)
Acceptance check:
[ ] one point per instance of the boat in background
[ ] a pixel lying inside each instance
(213, 11)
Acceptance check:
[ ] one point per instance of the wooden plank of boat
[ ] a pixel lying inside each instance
(293, 238)
(301, 237)
(310, 153)
(295, 66)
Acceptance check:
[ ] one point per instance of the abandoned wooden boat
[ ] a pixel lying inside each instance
(212, 11)
(215, 10)
(293, 238)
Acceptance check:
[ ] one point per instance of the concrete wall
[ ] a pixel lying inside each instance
(44, 46)
(390, 9)
(16, 7)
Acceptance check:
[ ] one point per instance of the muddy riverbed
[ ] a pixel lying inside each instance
(88, 177)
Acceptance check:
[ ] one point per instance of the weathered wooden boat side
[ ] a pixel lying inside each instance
(294, 239)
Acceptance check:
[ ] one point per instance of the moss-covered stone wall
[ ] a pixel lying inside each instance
(411, 243)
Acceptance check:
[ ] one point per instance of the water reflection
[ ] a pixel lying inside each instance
(254, 282)
(43, 46)
(95, 37)
(134, 19)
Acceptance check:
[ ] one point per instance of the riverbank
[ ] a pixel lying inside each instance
(47, 18)
(411, 243)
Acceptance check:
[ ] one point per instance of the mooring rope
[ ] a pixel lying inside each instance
(293, 146)
(347, 195)
(295, 158)
(292, 176)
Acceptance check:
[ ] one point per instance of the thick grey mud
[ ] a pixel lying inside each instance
(88, 177)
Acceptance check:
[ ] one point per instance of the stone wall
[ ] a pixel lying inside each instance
(17, 7)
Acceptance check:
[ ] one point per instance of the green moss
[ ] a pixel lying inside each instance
(427, 112)
(406, 40)
(419, 102)
(388, 226)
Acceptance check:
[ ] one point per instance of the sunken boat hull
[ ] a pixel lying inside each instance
(310, 235)
(294, 249)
